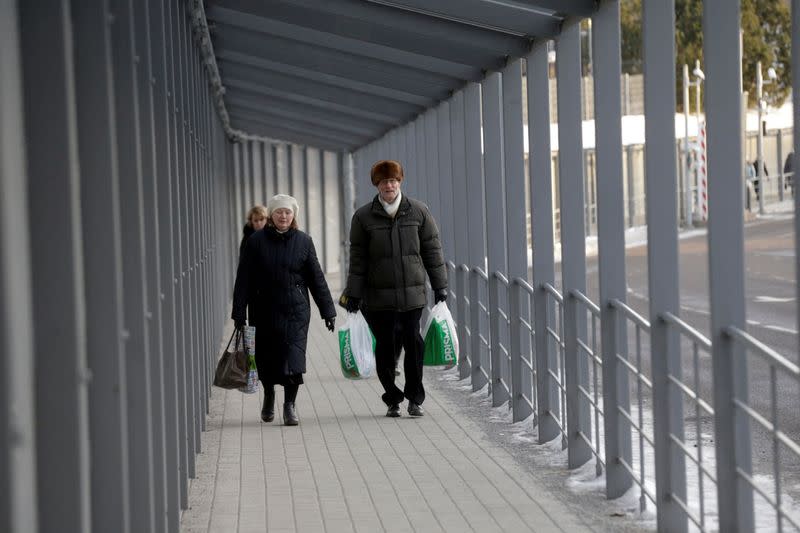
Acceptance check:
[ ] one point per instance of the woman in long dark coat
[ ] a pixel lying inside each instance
(277, 270)
(256, 220)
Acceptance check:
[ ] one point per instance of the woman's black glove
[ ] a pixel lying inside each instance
(350, 304)
(330, 323)
(440, 295)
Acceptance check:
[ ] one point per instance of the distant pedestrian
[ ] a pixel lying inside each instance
(256, 220)
(394, 243)
(788, 172)
(278, 269)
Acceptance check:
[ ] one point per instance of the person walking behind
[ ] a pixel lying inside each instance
(278, 269)
(256, 220)
(394, 242)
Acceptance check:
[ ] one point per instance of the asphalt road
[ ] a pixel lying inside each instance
(771, 312)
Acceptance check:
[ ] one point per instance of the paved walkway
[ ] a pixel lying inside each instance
(347, 467)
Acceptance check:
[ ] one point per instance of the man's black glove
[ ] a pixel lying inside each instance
(350, 304)
(330, 323)
(239, 324)
(440, 295)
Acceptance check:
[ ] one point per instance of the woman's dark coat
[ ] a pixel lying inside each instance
(276, 273)
(389, 257)
(247, 230)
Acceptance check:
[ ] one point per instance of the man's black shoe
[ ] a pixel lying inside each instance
(415, 409)
(394, 411)
(268, 409)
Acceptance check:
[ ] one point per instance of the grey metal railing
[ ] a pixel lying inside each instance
(592, 390)
(778, 364)
(691, 392)
(557, 375)
(509, 364)
(636, 422)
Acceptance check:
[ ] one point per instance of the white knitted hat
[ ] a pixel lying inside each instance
(282, 200)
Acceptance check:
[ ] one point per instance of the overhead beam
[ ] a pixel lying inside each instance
(582, 8)
(412, 32)
(254, 88)
(513, 18)
(250, 101)
(280, 135)
(225, 57)
(325, 40)
(270, 113)
(291, 84)
(364, 69)
(300, 128)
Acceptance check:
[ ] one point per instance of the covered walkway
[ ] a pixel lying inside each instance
(135, 135)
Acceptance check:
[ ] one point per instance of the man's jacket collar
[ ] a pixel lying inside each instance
(377, 207)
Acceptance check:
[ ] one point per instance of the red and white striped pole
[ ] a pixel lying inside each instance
(702, 185)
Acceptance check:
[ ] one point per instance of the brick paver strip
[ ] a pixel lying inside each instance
(348, 468)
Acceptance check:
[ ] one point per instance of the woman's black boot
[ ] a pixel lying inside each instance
(268, 409)
(290, 414)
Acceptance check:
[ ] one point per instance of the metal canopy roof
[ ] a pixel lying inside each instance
(337, 74)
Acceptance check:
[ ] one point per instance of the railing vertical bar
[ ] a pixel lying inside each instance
(642, 496)
(776, 448)
(698, 435)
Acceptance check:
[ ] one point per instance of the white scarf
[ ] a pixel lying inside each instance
(391, 208)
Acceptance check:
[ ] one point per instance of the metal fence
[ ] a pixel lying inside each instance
(618, 387)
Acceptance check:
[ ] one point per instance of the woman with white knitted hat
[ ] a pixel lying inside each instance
(278, 269)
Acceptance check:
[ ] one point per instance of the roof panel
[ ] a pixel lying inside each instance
(339, 73)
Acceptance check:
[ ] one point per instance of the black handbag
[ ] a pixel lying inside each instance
(232, 368)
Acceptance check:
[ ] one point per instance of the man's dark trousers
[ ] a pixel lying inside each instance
(383, 324)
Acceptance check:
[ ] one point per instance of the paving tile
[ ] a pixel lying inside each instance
(348, 468)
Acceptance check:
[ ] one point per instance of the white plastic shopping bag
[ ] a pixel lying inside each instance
(252, 373)
(356, 347)
(441, 340)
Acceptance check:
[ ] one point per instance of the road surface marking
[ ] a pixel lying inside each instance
(772, 300)
(781, 329)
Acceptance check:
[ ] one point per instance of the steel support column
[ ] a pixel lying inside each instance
(18, 509)
(160, 26)
(102, 253)
(726, 261)
(62, 422)
(461, 235)
(476, 226)
(662, 228)
(541, 201)
(444, 180)
(796, 140)
(606, 35)
(152, 265)
(496, 233)
(135, 282)
(516, 231)
(573, 239)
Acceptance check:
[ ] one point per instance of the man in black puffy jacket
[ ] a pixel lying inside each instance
(394, 244)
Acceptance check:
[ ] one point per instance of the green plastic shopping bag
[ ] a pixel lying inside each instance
(441, 340)
(356, 347)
